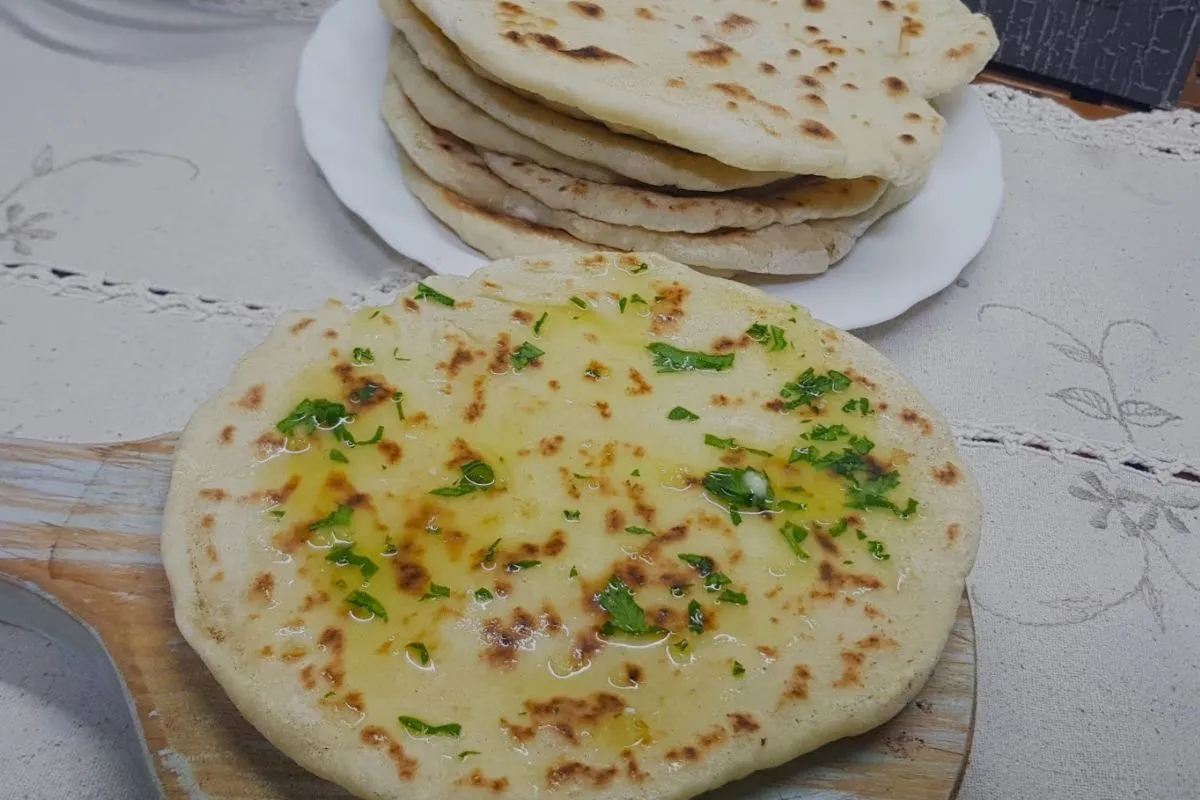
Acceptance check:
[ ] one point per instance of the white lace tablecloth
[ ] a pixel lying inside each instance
(157, 209)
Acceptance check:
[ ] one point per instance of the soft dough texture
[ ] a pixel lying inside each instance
(505, 606)
(812, 88)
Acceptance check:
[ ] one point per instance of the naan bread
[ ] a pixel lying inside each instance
(653, 163)
(526, 579)
(803, 249)
(786, 203)
(812, 88)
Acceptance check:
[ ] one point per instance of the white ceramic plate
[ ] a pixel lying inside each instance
(912, 254)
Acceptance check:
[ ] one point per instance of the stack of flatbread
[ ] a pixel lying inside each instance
(729, 136)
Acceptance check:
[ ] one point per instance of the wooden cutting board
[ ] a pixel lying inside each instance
(79, 561)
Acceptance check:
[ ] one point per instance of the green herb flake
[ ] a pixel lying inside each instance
(483, 595)
(420, 651)
(672, 359)
(877, 550)
(624, 301)
(278, 513)
(861, 404)
(679, 589)
(769, 336)
(839, 527)
(679, 413)
(339, 518)
(723, 444)
(740, 489)
(716, 581)
(738, 670)
(637, 473)
(790, 505)
(466, 753)
(374, 313)
(638, 299)
(642, 267)
(427, 293)
(626, 615)
(695, 617)
(363, 355)
(861, 536)
(537, 326)
(398, 400)
(639, 531)
(826, 433)
(340, 583)
(579, 301)
(573, 573)
(389, 547)
(525, 355)
(418, 728)
(570, 514)
(436, 592)
(396, 355)
(794, 534)
(702, 564)
(338, 456)
(343, 555)
(730, 596)
(310, 416)
(364, 601)
(682, 645)
(517, 566)
(810, 387)
(476, 477)
(489, 556)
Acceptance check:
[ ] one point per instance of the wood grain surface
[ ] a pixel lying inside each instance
(79, 560)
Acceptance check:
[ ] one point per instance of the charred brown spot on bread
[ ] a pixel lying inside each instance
(263, 588)
(412, 305)
(912, 27)
(850, 87)
(333, 640)
(638, 384)
(330, 333)
(589, 10)
(852, 663)
(588, 53)
(614, 520)
(379, 739)
(797, 686)
(308, 677)
(302, 324)
(503, 639)
(476, 779)
(814, 5)
(718, 54)
(501, 354)
(871, 612)
(563, 772)
(742, 723)
(554, 384)
(253, 397)
(633, 573)
(687, 753)
(947, 474)
(887, 5)
(828, 68)
(523, 317)
(644, 13)
(226, 436)
(549, 446)
(603, 409)
(767, 68)
(460, 358)
(826, 542)
(877, 641)
(637, 493)
(952, 533)
(913, 116)
(668, 308)
(813, 99)
(474, 410)
(910, 417)
(391, 451)
(355, 702)
(267, 651)
(213, 495)
(293, 653)
(735, 22)
(907, 138)
(816, 130)
(411, 578)
(675, 83)
(461, 454)
(568, 716)
(208, 522)
(836, 580)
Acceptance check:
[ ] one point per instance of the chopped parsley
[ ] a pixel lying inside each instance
(790, 505)
(672, 359)
(421, 652)
(338, 456)
(537, 326)
(682, 645)
(702, 564)
(740, 490)
(436, 592)
(680, 413)
(278, 513)
(489, 556)
(313, 415)
(695, 617)
(339, 518)
(363, 355)
(877, 550)
(389, 547)
(731, 444)
(769, 336)
(396, 355)
(638, 531)
(418, 728)
(398, 400)
(626, 615)
(730, 596)
(360, 599)
(426, 293)
(839, 527)
(579, 301)
(343, 555)
(572, 515)
(738, 670)
(573, 573)
(794, 534)
(466, 753)
(862, 405)
(867, 487)
(476, 477)
(525, 355)
(637, 473)
(642, 267)
(638, 299)
(826, 433)
(622, 303)
(517, 566)
(679, 589)
(375, 313)
(483, 595)
(716, 580)
(810, 387)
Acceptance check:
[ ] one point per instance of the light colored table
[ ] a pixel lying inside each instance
(156, 208)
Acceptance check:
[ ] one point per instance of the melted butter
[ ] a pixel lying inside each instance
(614, 444)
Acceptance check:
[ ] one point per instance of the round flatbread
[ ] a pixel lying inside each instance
(816, 88)
(649, 162)
(803, 249)
(574, 526)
